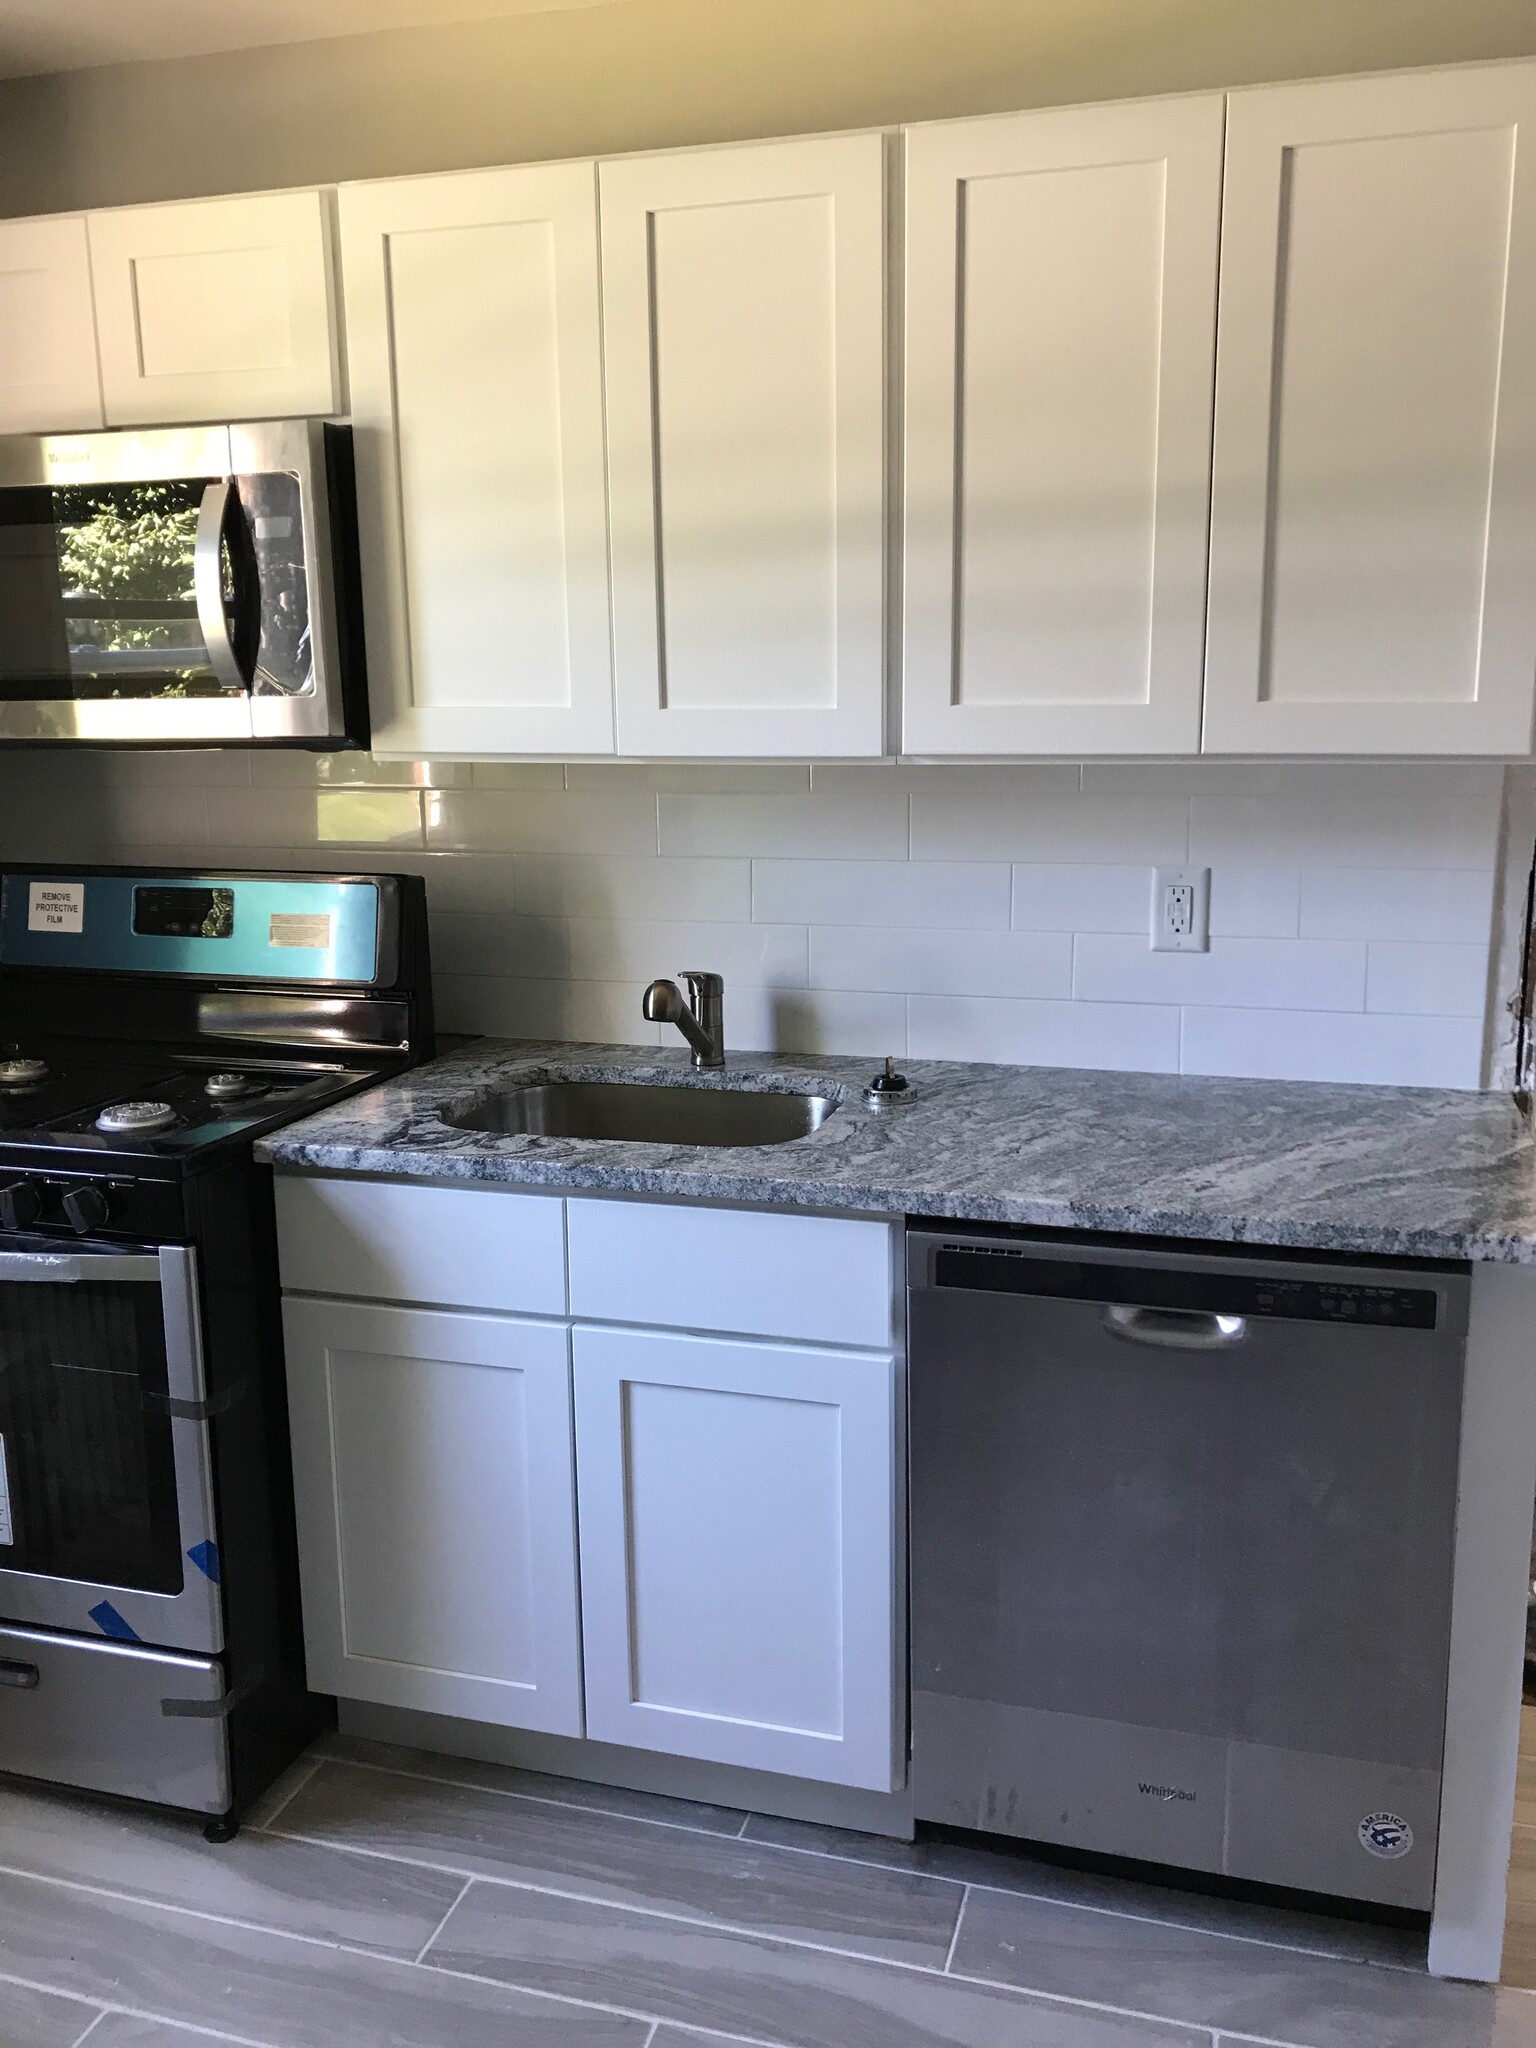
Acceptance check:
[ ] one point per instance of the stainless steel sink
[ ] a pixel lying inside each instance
(645, 1113)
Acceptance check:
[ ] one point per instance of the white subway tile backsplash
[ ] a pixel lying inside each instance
(965, 896)
(512, 775)
(484, 943)
(750, 955)
(1139, 1036)
(1389, 903)
(647, 887)
(252, 818)
(944, 909)
(864, 824)
(1256, 903)
(1053, 896)
(692, 778)
(1272, 974)
(942, 962)
(597, 1012)
(1421, 825)
(993, 822)
(1427, 980)
(543, 821)
(1293, 1045)
(809, 1021)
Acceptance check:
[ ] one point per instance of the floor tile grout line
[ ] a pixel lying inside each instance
(954, 1933)
(542, 1799)
(774, 1939)
(262, 1826)
(1052, 1998)
(978, 1884)
(437, 1930)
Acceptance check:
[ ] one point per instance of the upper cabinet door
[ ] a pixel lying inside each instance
(1060, 342)
(49, 382)
(472, 331)
(216, 309)
(1373, 539)
(744, 338)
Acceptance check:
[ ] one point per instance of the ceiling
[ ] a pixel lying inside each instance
(67, 35)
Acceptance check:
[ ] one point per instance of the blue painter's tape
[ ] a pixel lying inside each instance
(111, 1623)
(206, 1557)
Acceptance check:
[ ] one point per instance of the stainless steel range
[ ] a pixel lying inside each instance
(150, 1027)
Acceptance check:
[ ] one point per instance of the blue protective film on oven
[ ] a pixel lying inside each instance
(236, 927)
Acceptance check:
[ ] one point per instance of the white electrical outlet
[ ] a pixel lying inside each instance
(1181, 910)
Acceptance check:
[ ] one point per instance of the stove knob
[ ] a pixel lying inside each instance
(20, 1205)
(85, 1209)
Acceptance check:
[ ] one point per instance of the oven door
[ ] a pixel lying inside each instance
(106, 1494)
(169, 587)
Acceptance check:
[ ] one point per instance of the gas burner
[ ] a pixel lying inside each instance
(136, 1118)
(17, 1071)
(231, 1087)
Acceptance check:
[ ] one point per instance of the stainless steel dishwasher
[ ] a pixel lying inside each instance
(1182, 1527)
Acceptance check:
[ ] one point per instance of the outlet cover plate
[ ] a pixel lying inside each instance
(1181, 910)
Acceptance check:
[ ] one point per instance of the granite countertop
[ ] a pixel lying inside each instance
(1410, 1172)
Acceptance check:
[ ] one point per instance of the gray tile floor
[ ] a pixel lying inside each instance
(389, 1899)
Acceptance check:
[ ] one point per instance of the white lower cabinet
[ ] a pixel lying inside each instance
(661, 1538)
(435, 1492)
(738, 1562)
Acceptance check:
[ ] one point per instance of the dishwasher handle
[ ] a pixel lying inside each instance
(1175, 1329)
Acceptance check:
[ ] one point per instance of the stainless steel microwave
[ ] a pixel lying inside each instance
(188, 586)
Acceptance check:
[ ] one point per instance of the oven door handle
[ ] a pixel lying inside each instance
(208, 583)
(64, 1268)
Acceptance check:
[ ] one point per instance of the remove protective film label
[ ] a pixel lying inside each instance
(55, 906)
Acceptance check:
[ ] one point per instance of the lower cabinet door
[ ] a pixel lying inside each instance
(433, 1477)
(738, 1552)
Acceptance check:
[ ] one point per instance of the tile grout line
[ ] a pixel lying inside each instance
(437, 1930)
(954, 1936)
(777, 1940)
(541, 1799)
(773, 1941)
(262, 1826)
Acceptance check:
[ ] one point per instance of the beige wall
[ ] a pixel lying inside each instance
(637, 74)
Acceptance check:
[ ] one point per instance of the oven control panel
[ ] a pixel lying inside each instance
(88, 1205)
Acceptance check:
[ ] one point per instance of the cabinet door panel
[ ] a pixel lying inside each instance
(1060, 332)
(738, 1552)
(472, 325)
(1374, 509)
(49, 381)
(743, 325)
(216, 309)
(436, 1513)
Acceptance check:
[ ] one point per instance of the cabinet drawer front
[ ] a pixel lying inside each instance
(818, 1277)
(434, 1486)
(471, 1247)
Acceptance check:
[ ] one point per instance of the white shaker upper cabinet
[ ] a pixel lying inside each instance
(744, 344)
(1373, 535)
(49, 381)
(216, 309)
(1060, 337)
(473, 337)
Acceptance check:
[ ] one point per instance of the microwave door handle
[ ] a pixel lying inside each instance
(208, 583)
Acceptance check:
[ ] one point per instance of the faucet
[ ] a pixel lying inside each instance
(700, 1019)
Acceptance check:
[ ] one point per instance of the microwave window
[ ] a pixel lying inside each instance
(99, 591)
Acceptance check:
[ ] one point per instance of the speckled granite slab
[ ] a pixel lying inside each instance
(1409, 1172)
